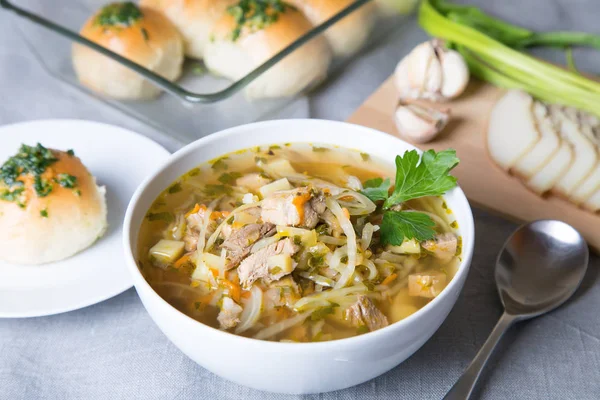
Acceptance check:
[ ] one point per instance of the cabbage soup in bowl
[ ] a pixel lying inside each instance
(303, 244)
(288, 242)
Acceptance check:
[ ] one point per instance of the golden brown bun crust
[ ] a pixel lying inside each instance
(60, 199)
(301, 69)
(74, 219)
(266, 42)
(193, 18)
(130, 41)
(348, 34)
(191, 8)
(151, 41)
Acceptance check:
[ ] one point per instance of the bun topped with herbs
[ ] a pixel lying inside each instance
(50, 206)
(347, 35)
(140, 34)
(253, 31)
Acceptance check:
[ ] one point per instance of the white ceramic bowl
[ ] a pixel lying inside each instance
(292, 367)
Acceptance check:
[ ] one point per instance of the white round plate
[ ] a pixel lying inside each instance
(120, 160)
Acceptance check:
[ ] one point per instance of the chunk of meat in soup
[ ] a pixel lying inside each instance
(239, 243)
(256, 266)
(298, 207)
(284, 292)
(254, 211)
(229, 316)
(365, 313)
(442, 247)
(426, 284)
(194, 223)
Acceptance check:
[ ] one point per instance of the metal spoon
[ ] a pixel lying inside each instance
(539, 268)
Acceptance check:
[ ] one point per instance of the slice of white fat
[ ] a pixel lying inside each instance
(589, 127)
(586, 153)
(589, 124)
(512, 131)
(588, 187)
(543, 151)
(593, 202)
(545, 179)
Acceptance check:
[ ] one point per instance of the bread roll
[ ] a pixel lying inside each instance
(142, 35)
(395, 7)
(350, 33)
(236, 49)
(193, 18)
(60, 215)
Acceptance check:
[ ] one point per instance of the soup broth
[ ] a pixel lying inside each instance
(278, 243)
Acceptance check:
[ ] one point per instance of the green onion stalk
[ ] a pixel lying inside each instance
(493, 50)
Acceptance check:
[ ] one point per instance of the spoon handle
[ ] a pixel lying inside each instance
(463, 388)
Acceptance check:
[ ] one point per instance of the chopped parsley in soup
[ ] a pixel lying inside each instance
(301, 242)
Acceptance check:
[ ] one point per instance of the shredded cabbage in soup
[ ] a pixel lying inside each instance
(282, 243)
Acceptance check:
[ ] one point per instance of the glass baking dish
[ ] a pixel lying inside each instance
(198, 103)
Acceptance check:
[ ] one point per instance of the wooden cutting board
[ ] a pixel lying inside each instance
(486, 185)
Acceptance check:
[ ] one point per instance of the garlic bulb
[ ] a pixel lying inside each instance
(431, 72)
(418, 123)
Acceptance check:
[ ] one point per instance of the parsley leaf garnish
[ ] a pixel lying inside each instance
(213, 190)
(376, 189)
(66, 180)
(430, 177)
(220, 164)
(11, 195)
(42, 186)
(398, 225)
(255, 15)
(161, 216)
(34, 161)
(323, 312)
(229, 178)
(175, 188)
(119, 14)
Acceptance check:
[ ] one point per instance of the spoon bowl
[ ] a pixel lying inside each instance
(540, 267)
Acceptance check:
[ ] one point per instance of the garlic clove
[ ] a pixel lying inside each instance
(455, 73)
(418, 65)
(418, 123)
(433, 81)
(431, 72)
(418, 73)
(402, 78)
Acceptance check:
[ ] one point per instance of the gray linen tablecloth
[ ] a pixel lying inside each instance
(113, 350)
